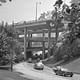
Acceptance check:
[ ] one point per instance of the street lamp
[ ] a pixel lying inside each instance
(36, 8)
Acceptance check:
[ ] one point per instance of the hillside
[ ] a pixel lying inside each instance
(73, 66)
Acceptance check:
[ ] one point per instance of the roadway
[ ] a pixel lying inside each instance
(26, 70)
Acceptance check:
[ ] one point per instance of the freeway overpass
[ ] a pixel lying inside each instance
(37, 27)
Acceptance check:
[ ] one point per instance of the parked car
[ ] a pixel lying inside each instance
(39, 65)
(30, 60)
(61, 72)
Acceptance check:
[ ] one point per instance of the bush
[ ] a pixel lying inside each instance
(4, 61)
(58, 56)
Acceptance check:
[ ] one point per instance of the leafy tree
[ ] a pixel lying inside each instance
(8, 42)
(4, 1)
(46, 15)
(71, 39)
(74, 29)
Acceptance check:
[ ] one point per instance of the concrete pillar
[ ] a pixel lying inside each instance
(25, 43)
(29, 42)
(43, 44)
(49, 39)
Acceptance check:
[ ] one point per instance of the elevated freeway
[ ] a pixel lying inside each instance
(43, 27)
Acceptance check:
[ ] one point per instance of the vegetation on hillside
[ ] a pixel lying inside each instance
(71, 36)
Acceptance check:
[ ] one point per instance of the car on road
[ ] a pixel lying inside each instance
(30, 60)
(39, 65)
(61, 72)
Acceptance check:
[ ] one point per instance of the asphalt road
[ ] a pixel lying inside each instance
(26, 70)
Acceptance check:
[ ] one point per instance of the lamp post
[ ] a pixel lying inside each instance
(36, 8)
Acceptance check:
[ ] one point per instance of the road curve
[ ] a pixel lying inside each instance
(26, 70)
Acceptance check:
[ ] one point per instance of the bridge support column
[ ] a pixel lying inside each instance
(29, 52)
(25, 43)
(43, 44)
(29, 42)
(49, 39)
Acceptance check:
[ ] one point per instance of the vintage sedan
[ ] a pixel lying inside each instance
(62, 72)
(29, 60)
(39, 66)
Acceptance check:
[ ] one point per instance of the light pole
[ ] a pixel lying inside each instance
(36, 8)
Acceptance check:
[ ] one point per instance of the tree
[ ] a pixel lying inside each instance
(75, 1)
(74, 28)
(4, 1)
(8, 43)
(70, 42)
(46, 15)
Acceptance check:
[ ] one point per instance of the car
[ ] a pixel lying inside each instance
(29, 60)
(62, 72)
(39, 66)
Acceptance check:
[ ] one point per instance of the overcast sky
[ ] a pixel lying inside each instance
(24, 10)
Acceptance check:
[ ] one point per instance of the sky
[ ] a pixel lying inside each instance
(24, 10)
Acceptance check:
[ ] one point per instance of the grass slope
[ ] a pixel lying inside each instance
(73, 66)
(51, 62)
